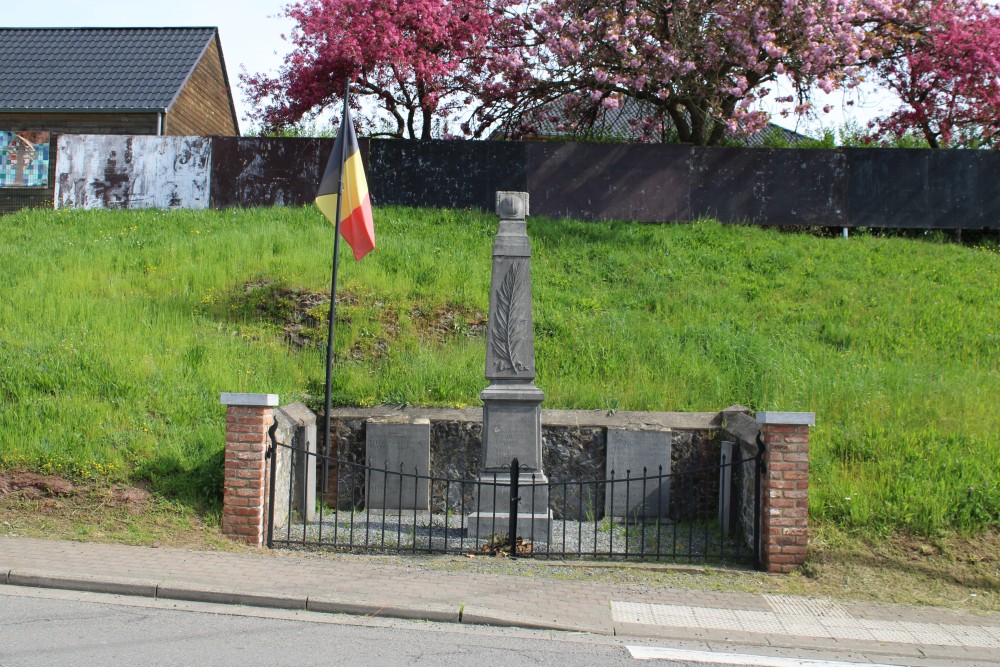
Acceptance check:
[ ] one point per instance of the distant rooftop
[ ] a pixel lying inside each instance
(97, 69)
(620, 124)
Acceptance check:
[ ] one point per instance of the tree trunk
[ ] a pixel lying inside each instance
(680, 121)
(425, 132)
(698, 129)
(409, 123)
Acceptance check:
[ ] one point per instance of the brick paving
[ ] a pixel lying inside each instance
(408, 588)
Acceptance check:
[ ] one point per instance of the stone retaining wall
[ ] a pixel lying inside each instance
(574, 445)
(574, 449)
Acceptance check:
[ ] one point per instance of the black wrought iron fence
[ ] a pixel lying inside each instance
(629, 516)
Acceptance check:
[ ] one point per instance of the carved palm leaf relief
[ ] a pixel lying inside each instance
(506, 334)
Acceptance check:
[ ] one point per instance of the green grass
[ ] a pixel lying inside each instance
(118, 330)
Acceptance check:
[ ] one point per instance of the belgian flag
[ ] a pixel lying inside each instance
(343, 193)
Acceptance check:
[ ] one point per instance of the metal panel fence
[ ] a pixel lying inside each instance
(628, 516)
(883, 188)
(880, 188)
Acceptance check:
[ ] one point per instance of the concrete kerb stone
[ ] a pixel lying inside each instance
(475, 616)
(435, 614)
(220, 596)
(708, 635)
(111, 585)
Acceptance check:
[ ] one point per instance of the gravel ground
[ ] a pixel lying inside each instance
(422, 532)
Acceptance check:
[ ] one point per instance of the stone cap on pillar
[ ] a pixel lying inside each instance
(250, 400)
(512, 205)
(787, 418)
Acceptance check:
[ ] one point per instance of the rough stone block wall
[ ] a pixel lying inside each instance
(575, 454)
(571, 453)
(694, 488)
(748, 475)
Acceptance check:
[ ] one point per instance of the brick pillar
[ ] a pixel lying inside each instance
(248, 418)
(785, 489)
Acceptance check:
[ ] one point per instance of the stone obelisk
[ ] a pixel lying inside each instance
(512, 424)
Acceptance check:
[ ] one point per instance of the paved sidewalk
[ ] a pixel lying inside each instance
(407, 588)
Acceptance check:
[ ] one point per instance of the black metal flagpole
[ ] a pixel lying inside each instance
(333, 291)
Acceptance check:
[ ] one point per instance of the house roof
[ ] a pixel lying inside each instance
(97, 69)
(620, 124)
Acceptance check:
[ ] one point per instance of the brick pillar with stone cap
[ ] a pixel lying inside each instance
(785, 489)
(248, 418)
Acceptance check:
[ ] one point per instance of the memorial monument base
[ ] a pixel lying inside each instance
(531, 527)
(493, 506)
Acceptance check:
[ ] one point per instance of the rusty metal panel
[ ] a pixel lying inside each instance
(647, 183)
(444, 174)
(250, 172)
(131, 172)
(924, 189)
(770, 187)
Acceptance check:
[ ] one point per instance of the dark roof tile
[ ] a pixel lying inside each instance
(96, 68)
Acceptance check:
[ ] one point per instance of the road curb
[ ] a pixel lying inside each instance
(485, 618)
(113, 586)
(218, 596)
(142, 588)
(328, 606)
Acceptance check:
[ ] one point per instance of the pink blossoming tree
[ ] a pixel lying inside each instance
(420, 60)
(947, 75)
(700, 66)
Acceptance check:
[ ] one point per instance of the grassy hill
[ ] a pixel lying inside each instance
(118, 330)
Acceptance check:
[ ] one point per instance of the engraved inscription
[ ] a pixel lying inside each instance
(399, 460)
(636, 493)
(378, 451)
(512, 433)
(378, 458)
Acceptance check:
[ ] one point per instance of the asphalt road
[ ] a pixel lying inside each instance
(56, 627)
(45, 627)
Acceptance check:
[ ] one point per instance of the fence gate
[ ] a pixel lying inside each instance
(704, 515)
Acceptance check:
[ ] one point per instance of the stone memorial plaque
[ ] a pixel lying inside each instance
(399, 455)
(630, 496)
(512, 431)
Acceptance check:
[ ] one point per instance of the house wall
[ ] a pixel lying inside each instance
(81, 123)
(204, 107)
